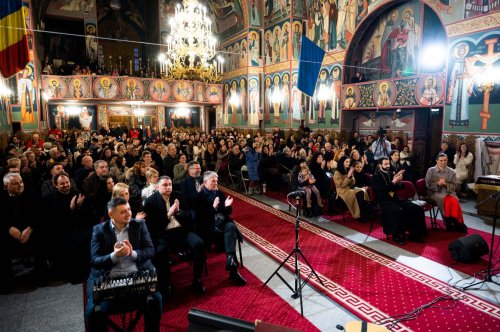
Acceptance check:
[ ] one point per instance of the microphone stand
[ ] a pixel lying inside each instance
(488, 272)
(297, 289)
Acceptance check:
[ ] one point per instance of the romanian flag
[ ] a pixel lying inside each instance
(14, 53)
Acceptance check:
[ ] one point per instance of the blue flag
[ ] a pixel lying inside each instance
(311, 57)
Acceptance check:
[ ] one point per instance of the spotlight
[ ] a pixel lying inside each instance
(433, 57)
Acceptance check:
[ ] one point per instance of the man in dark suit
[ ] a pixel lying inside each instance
(170, 224)
(213, 222)
(191, 185)
(121, 246)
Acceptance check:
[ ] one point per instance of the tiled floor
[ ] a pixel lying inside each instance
(59, 307)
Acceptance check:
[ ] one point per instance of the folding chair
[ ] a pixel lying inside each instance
(245, 178)
(232, 177)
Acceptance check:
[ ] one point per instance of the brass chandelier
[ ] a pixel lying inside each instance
(191, 46)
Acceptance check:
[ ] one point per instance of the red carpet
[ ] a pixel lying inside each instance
(249, 303)
(436, 243)
(369, 284)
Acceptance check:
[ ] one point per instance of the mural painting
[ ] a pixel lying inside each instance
(253, 101)
(106, 87)
(254, 48)
(472, 86)
(384, 94)
(254, 13)
(159, 90)
(275, 11)
(324, 109)
(299, 9)
(277, 46)
(54, 88)
(183, 91)
(297, 100)
(229, 17)
(296, 39)
(66, 117)
(213, 94)
(182, 117)
(79, 88)
(71, 8)
(235, 110)
(26, 95)
(369, 120)
(132, 89)
(430, 90)
(350, 96)
(393, 46)
(91, 40)
(236, 54)
(331, 23)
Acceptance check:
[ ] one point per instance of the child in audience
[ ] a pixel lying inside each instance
(306, 182)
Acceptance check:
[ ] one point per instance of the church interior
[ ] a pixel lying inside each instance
(353, 143)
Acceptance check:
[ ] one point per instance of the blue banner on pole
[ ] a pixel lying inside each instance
(311, 57)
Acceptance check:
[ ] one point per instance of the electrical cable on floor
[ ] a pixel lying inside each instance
(392, 321)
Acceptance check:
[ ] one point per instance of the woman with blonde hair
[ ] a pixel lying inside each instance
(152, 176)
(121, 190)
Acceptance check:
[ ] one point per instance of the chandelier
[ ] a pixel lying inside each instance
(191, 46)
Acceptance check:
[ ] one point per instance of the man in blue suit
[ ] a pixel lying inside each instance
(120, 246)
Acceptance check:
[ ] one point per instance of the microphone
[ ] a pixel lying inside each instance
(299, 193)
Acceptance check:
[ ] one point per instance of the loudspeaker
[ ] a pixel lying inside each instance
(468, 248)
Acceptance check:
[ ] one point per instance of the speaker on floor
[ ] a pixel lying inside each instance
(468, 248)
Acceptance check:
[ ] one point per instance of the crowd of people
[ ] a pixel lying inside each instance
(84, 185)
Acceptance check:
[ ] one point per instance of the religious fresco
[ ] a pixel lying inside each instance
(351, 95)
(393, 45)
(71, 8)
(66, 117)
(129, 88)
(395, 121)
(430, 90)
(235, 102)
(159, 90)
(299, 9)
(132, 88)
(472, 90)
(182, 117)
(236, 55)
(276, 10)
(296, 39)
(277, 46)
(106, 87)
(384, 94)
(277, 99)
(254, 58)
(255, 13)
(297, 100)
(55, 88)
(183, 90)
(475, 8)
(254, 109)
(331, 23)
(229, 17)
(91, 44)
(323, 109)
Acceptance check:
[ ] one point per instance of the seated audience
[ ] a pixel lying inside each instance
(355, 198)
(171, 229)
(441, 183)
(180, 169)
(306, 181)
(398, 216)
(214, 223)
(120, 246)
(152, 176)
(463, 161)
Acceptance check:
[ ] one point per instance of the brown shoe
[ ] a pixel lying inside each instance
(320, 204)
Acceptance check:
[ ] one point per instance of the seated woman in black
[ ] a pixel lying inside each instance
(269, 167)
(396, 165)
(318, 168)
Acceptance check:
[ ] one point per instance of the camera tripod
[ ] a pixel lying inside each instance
(296, 252)
(488, 272)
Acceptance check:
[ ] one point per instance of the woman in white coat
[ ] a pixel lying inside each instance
(463, 160)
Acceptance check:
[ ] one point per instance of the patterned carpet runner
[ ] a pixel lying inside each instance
(369, 284)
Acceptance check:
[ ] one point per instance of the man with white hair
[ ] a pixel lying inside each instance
(214, 222)
(18, 228)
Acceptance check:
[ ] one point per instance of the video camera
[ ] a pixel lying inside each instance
(382, 131)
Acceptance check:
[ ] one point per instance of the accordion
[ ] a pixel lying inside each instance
(137, 284)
